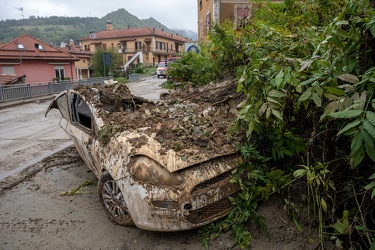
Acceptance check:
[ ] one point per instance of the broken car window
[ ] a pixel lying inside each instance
(81, 112)
(63, 106)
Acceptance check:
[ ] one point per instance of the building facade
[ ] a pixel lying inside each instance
(83, 65)
(217, 11)
(36, 61)
(146, 45)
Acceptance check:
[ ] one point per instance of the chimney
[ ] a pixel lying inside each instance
(92, 34)
(71, 42)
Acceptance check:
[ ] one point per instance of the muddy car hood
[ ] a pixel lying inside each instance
(176, 131)
(172, 160)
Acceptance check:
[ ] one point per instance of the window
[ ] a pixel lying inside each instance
(87, 47)
(8, 70)
(81, 112)
(119, 49)
(201, 31)
(38, 46)
(242, 14)
(208, 22)
(200, 4)
(104, 46)
(160, 45)
(20, 46)
(60, 72)
(63, 106)
(138, 45)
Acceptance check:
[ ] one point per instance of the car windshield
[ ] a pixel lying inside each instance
(162, 64)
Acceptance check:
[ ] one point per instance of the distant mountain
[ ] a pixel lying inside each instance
(187, 33)
(56, 29)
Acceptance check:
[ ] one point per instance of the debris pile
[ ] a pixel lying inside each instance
(187, 120)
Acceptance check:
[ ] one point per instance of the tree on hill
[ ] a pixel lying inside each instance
(55, 29)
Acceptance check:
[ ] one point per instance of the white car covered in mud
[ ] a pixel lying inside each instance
(161, 166)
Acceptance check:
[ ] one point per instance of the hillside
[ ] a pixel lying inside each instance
(57, 29)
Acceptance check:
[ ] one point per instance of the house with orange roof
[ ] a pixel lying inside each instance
(146, 45)
(84, 63)
(36, 61)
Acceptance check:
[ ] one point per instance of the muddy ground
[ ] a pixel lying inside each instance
(35, 215)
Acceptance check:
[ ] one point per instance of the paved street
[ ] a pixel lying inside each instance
(27, 137)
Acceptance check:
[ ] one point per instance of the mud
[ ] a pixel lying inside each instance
(34, 215)
(193, 122)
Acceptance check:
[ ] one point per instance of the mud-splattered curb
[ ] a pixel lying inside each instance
(51, 161)
(9, 104)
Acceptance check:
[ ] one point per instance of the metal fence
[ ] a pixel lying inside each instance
(24, 91)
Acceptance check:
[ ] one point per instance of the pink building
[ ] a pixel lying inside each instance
(37, 61)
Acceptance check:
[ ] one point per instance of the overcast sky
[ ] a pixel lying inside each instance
(175, 14)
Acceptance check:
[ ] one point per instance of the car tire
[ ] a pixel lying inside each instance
(112, 199)
(158, 77)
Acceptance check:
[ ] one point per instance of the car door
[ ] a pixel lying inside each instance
(77, 123)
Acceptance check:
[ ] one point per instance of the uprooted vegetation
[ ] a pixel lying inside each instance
(193, 122)
(308, 73)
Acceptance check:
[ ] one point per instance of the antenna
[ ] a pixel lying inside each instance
(21, 9)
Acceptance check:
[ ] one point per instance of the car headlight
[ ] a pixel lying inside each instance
(144, 169)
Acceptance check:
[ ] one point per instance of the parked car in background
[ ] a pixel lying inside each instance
(162, 69)
(161, 166)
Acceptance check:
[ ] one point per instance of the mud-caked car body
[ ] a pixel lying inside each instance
(172, 173)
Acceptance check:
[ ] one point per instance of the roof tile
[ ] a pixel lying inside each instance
(134, 32)
(30, 50)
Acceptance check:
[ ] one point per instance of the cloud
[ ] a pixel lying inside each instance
(181, 14)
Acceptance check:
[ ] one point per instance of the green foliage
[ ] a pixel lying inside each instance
(193, 67)
(140, 69)
(78, 190)
(308, 71)
(57, 29)
(107, 132)
(121, 80)
(257, 183)
(319, 187)
(371, 186)
(98, 65)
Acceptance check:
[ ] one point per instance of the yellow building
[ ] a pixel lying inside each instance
(146, 45)
(217, 11)
(84, 63)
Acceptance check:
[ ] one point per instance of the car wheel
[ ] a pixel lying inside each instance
(158, 76)
(112, 199)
